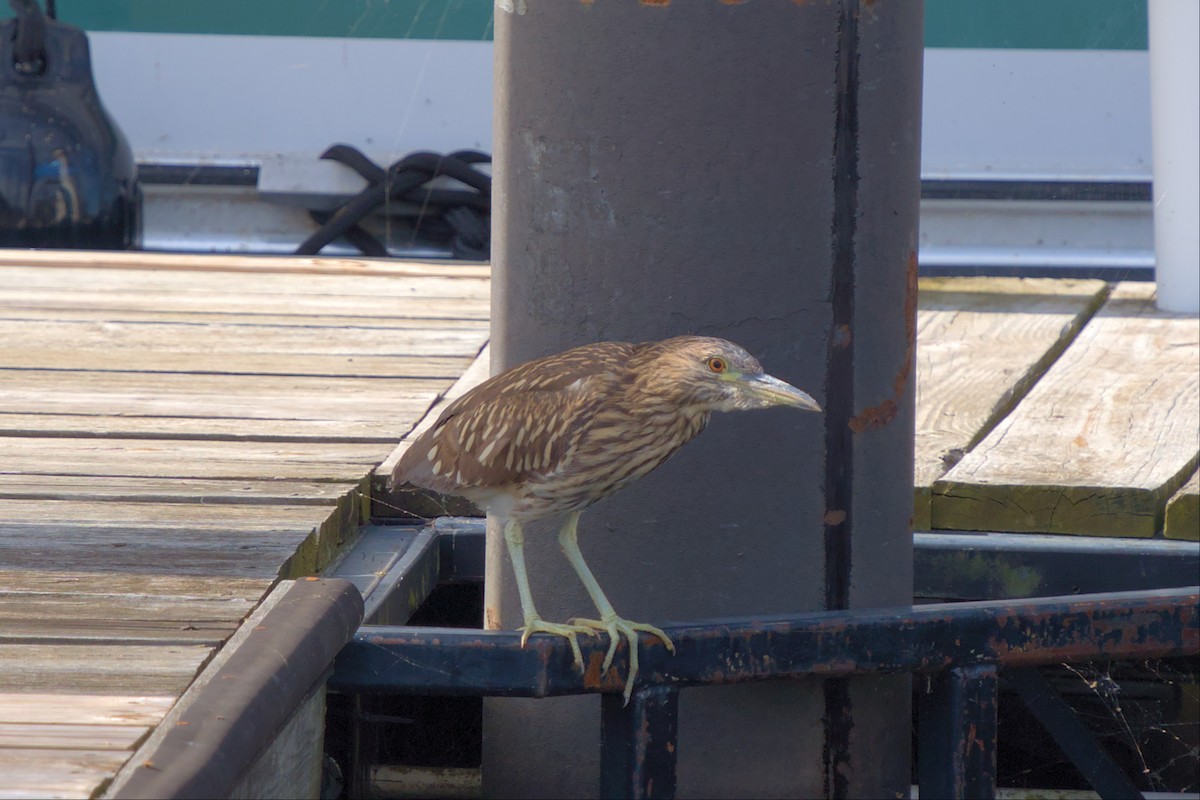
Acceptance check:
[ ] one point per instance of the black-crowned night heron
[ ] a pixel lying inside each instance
(554, 435)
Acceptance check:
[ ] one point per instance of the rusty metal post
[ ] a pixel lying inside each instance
(746, 170)
(957, 749)
(638, 743)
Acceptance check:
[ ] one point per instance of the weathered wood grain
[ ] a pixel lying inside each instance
(477, 315)
(220, 517)
(184, 458)
(101, 583)
(1183, 511)
(243, 396)
(83, 709)
(225, 262)
(289, 344)
(31, 774)
(100, 669)
(173, 490)
(176, 434)
(981, 344)
(133, 607)
(1100, 443)
(68, 736)
(380, 430)
(150, 358)
(111, 549)
(266, 288)
(45, 616)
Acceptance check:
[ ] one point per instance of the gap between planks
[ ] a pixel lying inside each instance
(1100, 443)
(982, 343)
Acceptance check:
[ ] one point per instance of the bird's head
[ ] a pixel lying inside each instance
(716, 375)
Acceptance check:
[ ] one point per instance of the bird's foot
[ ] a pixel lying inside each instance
(570, 631)
(616, 627)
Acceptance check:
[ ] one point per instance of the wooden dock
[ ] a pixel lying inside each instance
(179, 433)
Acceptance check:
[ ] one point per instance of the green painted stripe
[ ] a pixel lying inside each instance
(1037, 24)
(469, 20)
(1034, 24)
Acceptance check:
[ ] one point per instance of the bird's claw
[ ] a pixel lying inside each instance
(570, 631)
(616, 627)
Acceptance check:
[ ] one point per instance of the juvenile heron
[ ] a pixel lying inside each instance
(554, 435)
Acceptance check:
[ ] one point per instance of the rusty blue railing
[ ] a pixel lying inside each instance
(965, 649)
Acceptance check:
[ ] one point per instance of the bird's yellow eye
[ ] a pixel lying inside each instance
(717, 364)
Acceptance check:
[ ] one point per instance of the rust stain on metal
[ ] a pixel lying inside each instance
(880, 415)
(593, 674)
(491, 618)
(835, 516)
(655, 2)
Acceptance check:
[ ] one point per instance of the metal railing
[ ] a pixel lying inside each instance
(964, 648)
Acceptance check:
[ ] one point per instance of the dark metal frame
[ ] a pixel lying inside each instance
(965, 648)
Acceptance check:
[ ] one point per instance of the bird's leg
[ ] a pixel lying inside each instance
(514, 539)
(609, 621)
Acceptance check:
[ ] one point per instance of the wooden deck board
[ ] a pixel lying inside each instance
(118, 668)
(188, 458)
(1100, 443)
(29, 774)
(981, 344)
(173, 490)
(96, 709)
(57, 736)
(1183, 511)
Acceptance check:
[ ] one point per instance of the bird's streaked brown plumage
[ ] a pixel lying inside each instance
(554, 435)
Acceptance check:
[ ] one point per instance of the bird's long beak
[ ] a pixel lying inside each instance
(775, 392)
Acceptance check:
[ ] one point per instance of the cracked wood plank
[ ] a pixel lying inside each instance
(1100, 443)
(981, 344)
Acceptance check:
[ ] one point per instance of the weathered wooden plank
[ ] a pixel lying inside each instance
(243, 397)
(290, 345)
(226, 262)
(66, 631)
(1183, 511)
(67, 736)
(99, 668)
(173, 490)
(261, 556)
(43, 616)
(172, 358)
(83, 709)
(246, 541)
(109, 583)
(56, 773)
(264, 286)
(382, 430)
(196, 517)
(1100, 443)
(14, 302)
(417, 318)
(240, 460)
(121, 607)
(981, 344)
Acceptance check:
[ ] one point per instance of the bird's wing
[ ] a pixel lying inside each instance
(520, 422)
